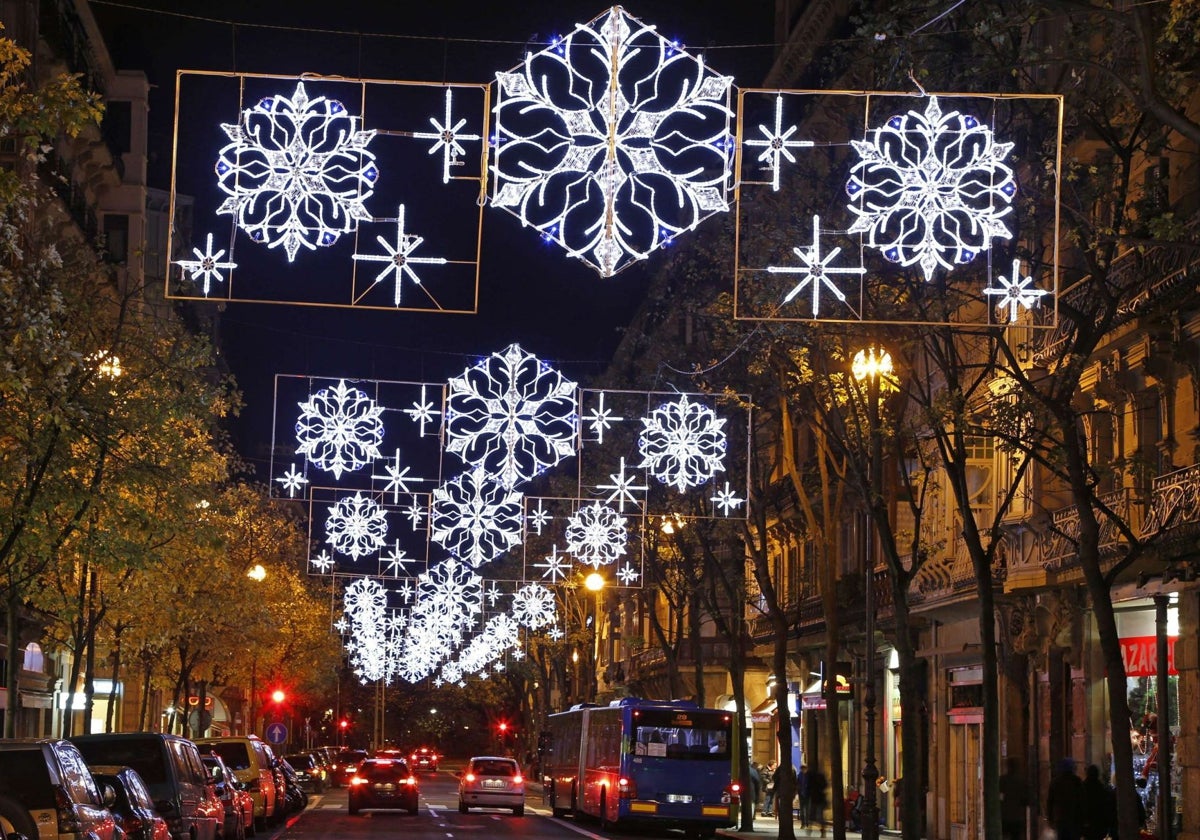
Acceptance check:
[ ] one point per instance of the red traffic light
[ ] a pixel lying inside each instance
(503, 726)
(278, 695)
(344, 724)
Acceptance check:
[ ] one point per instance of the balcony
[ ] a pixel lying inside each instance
(1173, 515)
(1060, 545)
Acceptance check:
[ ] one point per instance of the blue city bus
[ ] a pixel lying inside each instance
(670, 764)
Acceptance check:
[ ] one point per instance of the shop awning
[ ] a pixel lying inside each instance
(763, 711)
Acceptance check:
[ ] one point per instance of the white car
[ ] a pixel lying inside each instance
(492, 782)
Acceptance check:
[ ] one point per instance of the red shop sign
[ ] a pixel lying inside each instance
(1140, 654)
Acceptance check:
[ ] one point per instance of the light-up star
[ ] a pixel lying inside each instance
(622, 488)
(438, 682)
(554, 633)
(815, 271)
(556, 566)
(322, 562)
(493, 594)
(399, 258)
(601, 418)
(627, 574)
(405, 591)
(207, 266)
(777, 144)
(538, 518)
(1015, 292)
(396, 480)
(518, 654)
(341, 625)
(422, 411)
(292, 481)
(415, 513)
(727, 500)
(447, 139)
(395, 560)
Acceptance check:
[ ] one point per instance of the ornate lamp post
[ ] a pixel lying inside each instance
(594, 583)
(873, 367)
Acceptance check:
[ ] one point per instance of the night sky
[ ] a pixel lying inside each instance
(530, 293)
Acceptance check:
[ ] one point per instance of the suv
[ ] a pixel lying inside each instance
(251, 761)
(170, 766)
(47, 793)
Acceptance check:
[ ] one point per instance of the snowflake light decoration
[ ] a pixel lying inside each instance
(322, 562)
(623, 488)
(612, 141)
(297, 171)
(399, 258)
(357, 526)
(395, 561)
(395, 479)
(556, 565)
(533, 606)
(1015, 292)
(292, 481)
(538, 518)
(475, 519)
(422, 411)
(815, 270)
(415, 512)
(446, 137)
(339, 429)
(777, 141)
(207, 266)
(600, 418)
(596, 535)
(511, 415)
(627, 574)
(683, 443)
(931, 189)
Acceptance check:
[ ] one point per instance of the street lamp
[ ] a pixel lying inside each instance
(595, 583)
(873, 367)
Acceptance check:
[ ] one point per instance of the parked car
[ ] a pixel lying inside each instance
(309, 771)
(47, 793)
(424, 758)
(383, 783)
(491, 781)
(237, 801)
(171, 768)
(250, 760)
(295, 799)
(130, 802)
(347, 762)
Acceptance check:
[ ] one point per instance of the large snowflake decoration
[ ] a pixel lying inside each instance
(533, 606)
(296, 171)
(449, 595)
(339, 429)
(357, 526)
(683, 443)
(475, 519)
(612, 141)
(511, 415)
(931, 188)
(596, 535)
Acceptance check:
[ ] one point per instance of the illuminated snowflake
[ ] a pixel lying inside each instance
(394, 562)
(683, 443)
(596, 535)
(415, 513)
(538, 518)
(364, 596)
(612, 141)
(533, 606)
(356, 526)
(339, 429)
(776, 142)
(931, 188)
(511, 415)
(296, 171)
(396, 479)
(399, 259)
(555, 633)
(292, 481)
(449, 594)
(446, 137)
(207, 266)
(601, 418)
(726, 500)
(1016, 292)
(422, 411)
(322, 562)
(475, 519)
(556, 565)
(623, 488)
(815, 270)
(627, 574)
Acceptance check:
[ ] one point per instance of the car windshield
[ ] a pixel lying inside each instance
(24, 773)
(494, 767)
(384, 769)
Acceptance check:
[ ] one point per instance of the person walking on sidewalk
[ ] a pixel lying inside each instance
(802, 794)
(817, 800)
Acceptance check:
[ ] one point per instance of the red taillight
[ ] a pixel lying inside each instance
(517, 779)
(410, 781)
(626, 789)
(470, 777)
(357, 780)
(132, 825)
(733, 792)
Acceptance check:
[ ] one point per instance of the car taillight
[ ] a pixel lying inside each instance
(410, 781)
(626, 789)
(517, 779)
(357, 780)
(68, 821)
(133, 825)
(470, 777)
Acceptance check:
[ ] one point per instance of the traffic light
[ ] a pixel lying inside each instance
(278, 695)
(343, 724)
(503, 727)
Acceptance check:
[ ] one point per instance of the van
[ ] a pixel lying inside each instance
(47, 793)
(171, 768)
(251, 761)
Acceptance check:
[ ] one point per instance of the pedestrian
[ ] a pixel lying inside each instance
(755, 785)
(802, 794)
(1064, 801)
(817, 785)
(769, 786)
(1098, 809)
(1014, 798)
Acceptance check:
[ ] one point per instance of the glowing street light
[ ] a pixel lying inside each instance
(257, 573)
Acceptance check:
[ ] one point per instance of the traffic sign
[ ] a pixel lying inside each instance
(277, 733)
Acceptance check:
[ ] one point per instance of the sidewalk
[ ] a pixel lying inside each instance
(769, 827)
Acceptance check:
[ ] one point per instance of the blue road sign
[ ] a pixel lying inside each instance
(277, 733)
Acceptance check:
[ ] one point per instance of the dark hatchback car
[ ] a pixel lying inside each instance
(383, 783)
(347, 763)
(131, 805)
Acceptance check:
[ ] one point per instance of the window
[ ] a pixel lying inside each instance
(116, 237)
(118, 126)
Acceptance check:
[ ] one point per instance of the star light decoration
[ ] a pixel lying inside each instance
(683, 443)
(399, 258)
(292, 481)
(777, 141)
(931, 188)
(1015, 292)
(207, 266)
(815, 271)
(511, 415)
(339, 429)
(296, 171)
(446, 137)
(612, 141)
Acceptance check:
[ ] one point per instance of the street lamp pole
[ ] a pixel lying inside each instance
(595, 583)
(871, 366)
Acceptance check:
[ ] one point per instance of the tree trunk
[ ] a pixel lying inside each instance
(13, 657)
(785, 790)
(912, 691)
